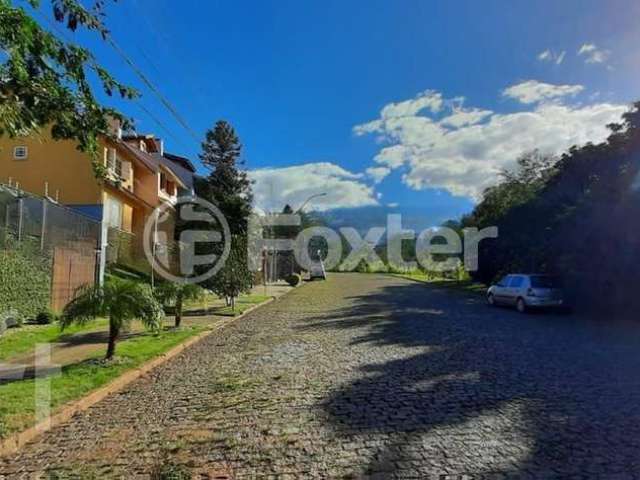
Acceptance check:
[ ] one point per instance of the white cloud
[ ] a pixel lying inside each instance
(532, 91)
(429, 100)
(545, 56)
(275, 187)
(462, 117)
(463, 158)
(393, 205)
(551, 56)
(378, 174)
(593, 54)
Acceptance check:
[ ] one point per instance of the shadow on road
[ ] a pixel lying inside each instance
(480, 390)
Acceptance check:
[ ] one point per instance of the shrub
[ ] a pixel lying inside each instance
(46, 317)
(25, 281)
(294, 279)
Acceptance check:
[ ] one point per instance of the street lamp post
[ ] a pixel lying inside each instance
(304, 204)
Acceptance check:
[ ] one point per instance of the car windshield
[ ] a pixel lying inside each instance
(545, 281)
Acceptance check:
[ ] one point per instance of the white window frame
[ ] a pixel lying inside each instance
(114, 212)
(19, 148)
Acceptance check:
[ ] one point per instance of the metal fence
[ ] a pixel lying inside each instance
(47, 251)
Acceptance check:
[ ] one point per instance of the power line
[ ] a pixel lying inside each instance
(158, 122)
(162, 40)
(165, 102)
(153, 88)
(138, 104)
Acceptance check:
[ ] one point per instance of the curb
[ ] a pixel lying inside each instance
(16, 441)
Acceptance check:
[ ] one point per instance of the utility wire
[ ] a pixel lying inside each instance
(143, 77)
(153, 88)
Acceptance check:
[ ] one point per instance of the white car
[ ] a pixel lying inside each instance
(526, 291)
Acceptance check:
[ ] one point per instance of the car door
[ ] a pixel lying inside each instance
(500, 290)
(516, 282)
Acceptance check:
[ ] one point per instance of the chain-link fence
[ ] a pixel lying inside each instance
(47, 251)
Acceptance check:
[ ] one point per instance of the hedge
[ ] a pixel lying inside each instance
(25, 283)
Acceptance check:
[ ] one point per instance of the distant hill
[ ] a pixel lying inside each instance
(364, 218)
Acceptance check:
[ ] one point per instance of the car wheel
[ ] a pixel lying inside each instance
(490, 300)
(521, 306)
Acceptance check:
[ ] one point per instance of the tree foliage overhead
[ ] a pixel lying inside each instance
(45, 81)
(577, 216)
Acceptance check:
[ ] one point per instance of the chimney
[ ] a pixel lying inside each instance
(114, 127)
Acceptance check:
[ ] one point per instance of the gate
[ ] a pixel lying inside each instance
(72, 269)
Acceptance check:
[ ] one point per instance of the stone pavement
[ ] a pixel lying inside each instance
(370, 376)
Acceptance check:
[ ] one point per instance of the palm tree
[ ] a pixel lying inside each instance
(121, 301)
(175, 294)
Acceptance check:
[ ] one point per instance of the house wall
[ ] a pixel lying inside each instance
(57, 162)
(133, 214)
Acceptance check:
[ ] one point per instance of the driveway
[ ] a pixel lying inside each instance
(372, 376)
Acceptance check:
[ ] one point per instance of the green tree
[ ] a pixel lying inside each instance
(575, 217)
(234, 277)
(227, 186)
(174, 294)
(45, 82)
(121, 301)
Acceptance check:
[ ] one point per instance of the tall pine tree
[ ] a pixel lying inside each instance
(227, 186)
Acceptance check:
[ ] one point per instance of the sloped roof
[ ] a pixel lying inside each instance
(147, 160)
(183, 161)
(177, 167)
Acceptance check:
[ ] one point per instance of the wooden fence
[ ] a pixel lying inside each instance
(72, 268)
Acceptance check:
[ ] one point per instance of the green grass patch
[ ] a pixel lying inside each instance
(242, 304)
(464, 285)
(18, 341)
(17, 402)
(217, 306)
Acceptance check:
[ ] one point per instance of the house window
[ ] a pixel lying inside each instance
(163, 182)
(114, 164)
(113, 212)
(20, 153)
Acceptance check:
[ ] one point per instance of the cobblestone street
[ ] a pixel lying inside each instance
(371, 376)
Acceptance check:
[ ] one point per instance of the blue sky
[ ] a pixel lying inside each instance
(302, 83)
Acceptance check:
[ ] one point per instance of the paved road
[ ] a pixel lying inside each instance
(369, 375)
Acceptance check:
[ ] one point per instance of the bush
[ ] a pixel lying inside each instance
(46, 317)
(25, 282)
(294, 279)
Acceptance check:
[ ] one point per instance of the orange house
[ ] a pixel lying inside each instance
(139, 177)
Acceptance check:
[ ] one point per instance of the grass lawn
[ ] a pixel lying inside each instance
(216, 306)
(464, 285)
(242, 304)
(74, 381)
(17, 341)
